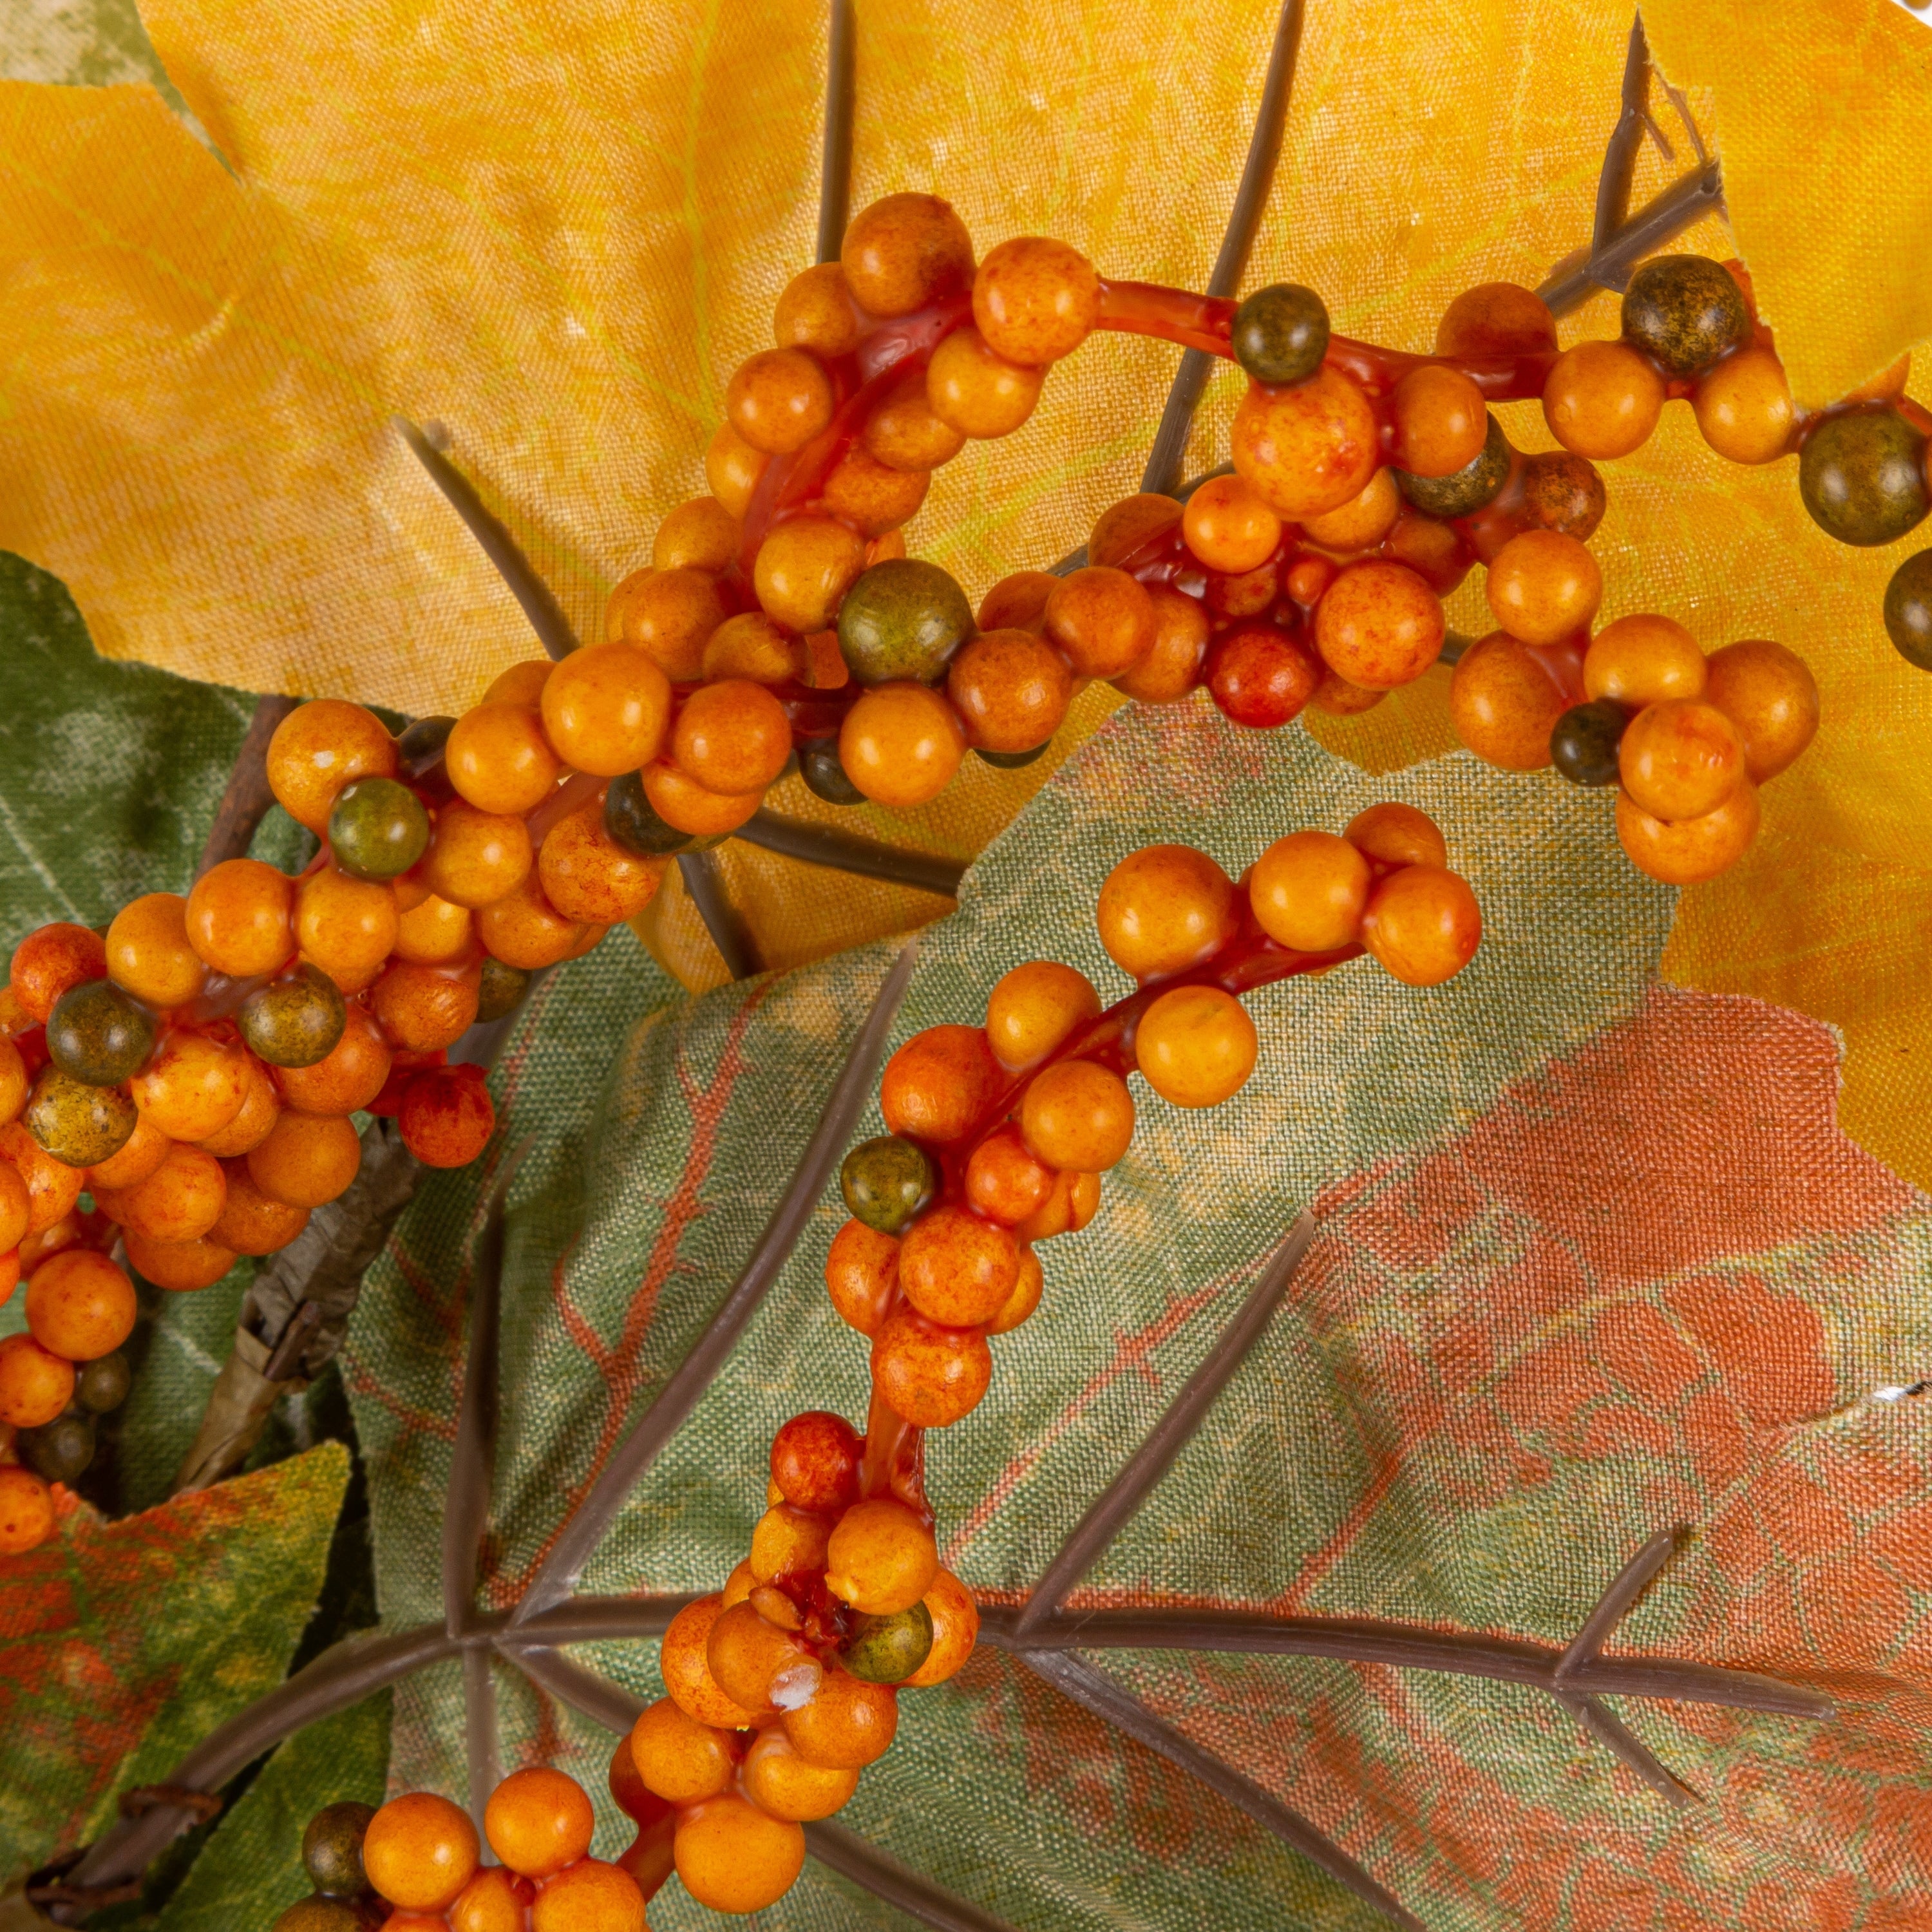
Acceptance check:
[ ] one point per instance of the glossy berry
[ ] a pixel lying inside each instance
(1280, 333)
(537, 1821)
(447, 1116)
(957, 1269)
(1680, 759)
(1163, 909)
(498, 989)
(1602, 399)
(1195, 1046)
(955, 1629)
(80, 1305)
(889, 1649)
(886, 1182)
(332, 1849)
(51, 959)
(1308, 448)
(75, 1122)
(99, 1034)
(1423, 924)
(335, 1915)
(349, 1076)
(633, 822)
(1772, 699)
(1583, 741)
(824, 776)
(677, 1757)
(930, 1375)
(781, 1784)
(733, 1858)
(1379, 625)
(35, 1384)
(938, 1084)
(294, 1022)
(1261, 676)
(815, 1460)
(102, 1384)
(1504, 699)
(59, 1451)
(419, 1851)
(1862, 476)
(861, 1271)
(377, 828)
(1465, 490)
(1688, 851)
(1686, 310)
(149, 953)
(1644, 659)
(1908, 610)
(1563, 492)
(26, 1510)
(902, 618)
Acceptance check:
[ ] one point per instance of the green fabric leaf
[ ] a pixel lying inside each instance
(122, 1644)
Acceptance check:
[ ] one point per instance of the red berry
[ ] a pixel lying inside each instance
(1260, 677)
(446, 1116)
(815, 1461)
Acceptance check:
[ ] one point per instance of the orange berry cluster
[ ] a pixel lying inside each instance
(415, 1865)
(784, 1686)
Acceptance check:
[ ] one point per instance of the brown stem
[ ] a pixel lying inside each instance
(245, 802)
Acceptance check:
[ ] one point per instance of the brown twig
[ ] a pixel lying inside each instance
(245, 802)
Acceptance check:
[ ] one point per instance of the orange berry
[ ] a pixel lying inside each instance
(1010, 689)
(882, 1557)
(144, 1151)
(447, 1116)
(1308, 891)
(35, 1385)
(787, 1539)
(49, 961)
(848, 1725)
(424, 1009)
(816, 311)
(181, 1200)
(182, 1268)
(1102, 619)
(240, 918)
(1172, 666)
(1378, 624)
(1495, 319)
(587, 876)
(1643, 660)
(1035, 300)
(778, 400)
(1441, 420)
(755, 1663)
(419, 1851)
(930, 1375)
(499, 759)
(900, 744)
(26, 1510)
(1423, 924)
(261, 1102)
(782, 1784)
(434, 931)
(589, 1896)
(1228, 526)
(956, 1269)
(1163, 909)
(804, 567)
(605, 708)
(683, 1663)
(861, 1271)
(346, 927)
(1744, 409)
(537, 1821)
(1681, 759)
(732, 737)
(522, 684)
(751, 645)
(1340, 699)
(193, 1087)
(699, 535)
(739, 1585)
(524, 930)
(349, 1076)
(16, 1207)
(475, 857)
(1032, 1010)
(1019, 1306)
(79, 1305)
(1196, 1045)
(52, 1186)
(874, 495)
(1602, 399)
(1078, 1115)
(319, 747)
(668, 614)
(149, 953)
(1362, 522)
(1688, 851)
(681, 802)
(1307, 448)
(904, 432)
(977, 392)
(955, 1630)
(1504, 699)
(251, 1222)
(732, 1858)
(494, 1900)
(307, 1160)
(1772, 699)
(904, 252)
(1004, 1182)
(1544, 586)
(939, 1083)
(13, 1082)
(1134, 522)
(732, 468)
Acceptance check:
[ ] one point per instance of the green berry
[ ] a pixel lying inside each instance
(1686, 310)
(1464, 491)
(1280, 334)
(295, 1021)
(889, 1649)
(378, 829)
(902, 618)
(327, 1915)
(1862, 476)
(886, 1181)
(103, 1383)
(1908, 610)
(1583, 741)
(1010, 761)
(60, 1450)
(632, 821)
(332, 1849)
(77, 1123)
(502, 986)
(98, 1034)
(824, 776)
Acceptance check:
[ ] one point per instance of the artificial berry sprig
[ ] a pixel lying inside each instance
(783, 1686)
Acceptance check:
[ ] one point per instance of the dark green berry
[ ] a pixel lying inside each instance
(332, 1849)
(1908, 610)
(1564, 493)
(420, 746)
(902, 618)
(1686, 310)
(632, 820)
(1583, 741)
(77, 1123)
(1862, 476)
(328, 1914)
(99, 1034)
(1464, 491)
(103, 1383)
(824, 775)
(295, 1021)
(1011, 761)
(378, 829)
(60, 1450)
(502, 986)
(1280, 333)
(886, 1182)
(889, 1649)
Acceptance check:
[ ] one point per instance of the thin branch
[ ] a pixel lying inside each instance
(592, 1620)
(482, 1748)
(868, 1865)
(846, 852)
(245, 802)
(1075, 1677)
(1616, 1602)
(546, 615)
(1680, 206)
(1170, 443)
(1169, 1436)
(706, 890)
(835, 167)
(1617, 1738)
(600, 1700)
(586, 1528)
(1613, 185)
